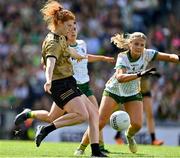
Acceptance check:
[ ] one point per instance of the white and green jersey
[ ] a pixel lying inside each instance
(125, 61)
(80, 68)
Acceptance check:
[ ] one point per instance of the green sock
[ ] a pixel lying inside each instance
(30, 114)
(82, 147)
(101, 147)
(130, 134)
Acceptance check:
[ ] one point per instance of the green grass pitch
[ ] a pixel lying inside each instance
(27, 149)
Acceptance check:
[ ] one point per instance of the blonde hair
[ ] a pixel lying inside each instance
(122, 40)
(53, 12)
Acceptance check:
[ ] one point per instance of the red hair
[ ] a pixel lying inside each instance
(53, 12)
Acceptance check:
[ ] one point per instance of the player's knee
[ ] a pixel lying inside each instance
(94, 114)
(50, 118)
(83, 117)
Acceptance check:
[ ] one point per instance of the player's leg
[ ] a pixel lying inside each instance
(93, 129)
(80, 150)
(78, 111)
(147, 103)
(41, 115)
(135, 111)
(118, 136)
(93, 100)
(93, 112)
(85, 88)
(107, 107)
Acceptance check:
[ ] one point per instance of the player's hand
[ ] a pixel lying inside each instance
(81, 58)
(74, 54)
(47, 87)
(156, 74)
(147, 72)
(109, 59)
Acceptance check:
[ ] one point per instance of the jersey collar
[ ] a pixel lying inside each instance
(130, 57)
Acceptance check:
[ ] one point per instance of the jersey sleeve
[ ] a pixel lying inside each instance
(151, 54)
(84, 47)
(120, 63)
(51, 49)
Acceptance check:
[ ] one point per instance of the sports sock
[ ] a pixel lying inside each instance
(82, 147)
(131, 133)
(101, 145)
(152, 136)
(95, 149)
(30, 114)
(51, 127)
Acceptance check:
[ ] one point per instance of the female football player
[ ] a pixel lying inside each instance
(80, 74)
(60, 83)
(124, 86)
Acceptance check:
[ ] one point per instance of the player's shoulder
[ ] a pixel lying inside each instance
(149, 50)
(80, 42)
(123, 54)
(54, 38)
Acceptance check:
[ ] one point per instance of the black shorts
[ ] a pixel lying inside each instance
(146, 94)
(63, 90)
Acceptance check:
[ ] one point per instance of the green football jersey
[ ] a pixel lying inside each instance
(125, 61)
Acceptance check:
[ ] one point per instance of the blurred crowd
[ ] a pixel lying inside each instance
(22, 31)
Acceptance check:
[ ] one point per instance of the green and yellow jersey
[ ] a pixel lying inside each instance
(56, 46)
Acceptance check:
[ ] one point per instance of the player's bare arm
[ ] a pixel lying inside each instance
(75, 55)
(50, 63)
(167, 57)
(95, 58)
(122, 76)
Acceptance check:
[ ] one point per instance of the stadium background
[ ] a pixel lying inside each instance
(22, 32)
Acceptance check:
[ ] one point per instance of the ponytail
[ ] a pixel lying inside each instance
(50, 13)
(122, 40)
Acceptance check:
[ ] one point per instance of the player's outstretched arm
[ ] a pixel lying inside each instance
(95, 58)
(75, 55)
(168, 57)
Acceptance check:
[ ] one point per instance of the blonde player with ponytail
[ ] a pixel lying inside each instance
(124, 86)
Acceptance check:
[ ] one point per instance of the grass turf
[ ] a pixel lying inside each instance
(27, 149)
